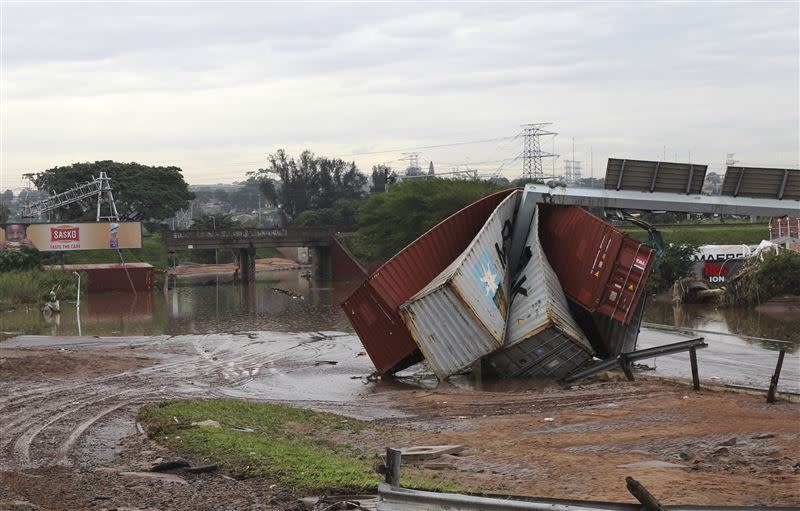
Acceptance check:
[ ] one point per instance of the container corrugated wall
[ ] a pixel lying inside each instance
(542, 339)
(387, 342)
(461, 315)
(597, 265)
(781, 227)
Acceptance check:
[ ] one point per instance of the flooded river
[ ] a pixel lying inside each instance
(740, 350)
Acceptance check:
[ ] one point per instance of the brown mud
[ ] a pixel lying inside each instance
(263, 264)
(68, 431)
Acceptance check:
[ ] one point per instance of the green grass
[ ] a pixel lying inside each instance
(32, 287)
(748, 234)
(301, 449)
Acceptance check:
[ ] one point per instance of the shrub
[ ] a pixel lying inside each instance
(676, 263)
(764, 276)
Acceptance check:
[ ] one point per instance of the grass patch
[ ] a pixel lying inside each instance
(32, 287)
(748, 234)
(301, 449)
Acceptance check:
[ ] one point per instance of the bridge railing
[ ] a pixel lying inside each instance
(199, 239)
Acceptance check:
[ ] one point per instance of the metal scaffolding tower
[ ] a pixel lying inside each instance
(572, 171)
(99, 188)
(532, 153)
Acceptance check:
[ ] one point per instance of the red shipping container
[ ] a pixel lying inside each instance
(344, 266)
(781, 227)
(372, 308)
(598, 266)
(113, 277)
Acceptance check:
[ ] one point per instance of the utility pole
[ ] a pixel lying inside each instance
(532, 150)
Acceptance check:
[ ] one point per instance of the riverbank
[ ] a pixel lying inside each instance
(70, 404)
(263, 264)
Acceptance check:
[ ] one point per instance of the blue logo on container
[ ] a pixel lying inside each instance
(486, 272)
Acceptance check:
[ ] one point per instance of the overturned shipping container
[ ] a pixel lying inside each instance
(372, 308)
(460, 316)
(542, 339)
(607, 336)
(598, 266)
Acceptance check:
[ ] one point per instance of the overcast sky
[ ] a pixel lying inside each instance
(213, 88)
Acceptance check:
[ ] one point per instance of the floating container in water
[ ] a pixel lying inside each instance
(599, 267)
(460, 315)
(372, 308)
(542, 339)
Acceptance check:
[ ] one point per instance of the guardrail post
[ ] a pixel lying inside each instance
(695, 373)
(646, 498)
(773, 385)
(393, 457)
(626, 366)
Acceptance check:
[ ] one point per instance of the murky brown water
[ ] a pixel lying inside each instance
(280, 301)
(782, 324)
(289, 302)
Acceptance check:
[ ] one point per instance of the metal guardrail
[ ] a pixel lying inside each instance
(393, 498)
(623, 360)
(667, 349)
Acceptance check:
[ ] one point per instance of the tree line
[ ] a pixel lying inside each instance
(308, 191)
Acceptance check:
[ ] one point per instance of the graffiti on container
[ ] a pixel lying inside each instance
(502, 251)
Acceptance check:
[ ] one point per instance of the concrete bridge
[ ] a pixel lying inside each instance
(318, 241)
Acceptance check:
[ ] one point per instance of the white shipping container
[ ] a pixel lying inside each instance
(460, 316)
(542, 338)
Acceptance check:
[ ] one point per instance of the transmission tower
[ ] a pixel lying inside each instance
(572, 171)
(532, 150)
(413, 168)
(729, 160)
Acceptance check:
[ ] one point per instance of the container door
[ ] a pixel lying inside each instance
(627, 280)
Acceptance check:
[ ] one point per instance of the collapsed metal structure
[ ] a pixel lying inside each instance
(527, 283)
(98, 188)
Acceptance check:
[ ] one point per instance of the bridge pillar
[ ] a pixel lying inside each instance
(247, 264)
(320, 262)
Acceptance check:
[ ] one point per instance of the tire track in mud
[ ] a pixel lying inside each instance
(68, 410)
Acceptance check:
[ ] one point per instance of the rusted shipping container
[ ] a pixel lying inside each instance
(460, 316)
(607, 336)
(598, 266)
(542, 339)
(387, 341)
(781, 227)
(113, 277)
(344, 266)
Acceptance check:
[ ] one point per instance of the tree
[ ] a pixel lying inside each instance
(343, 216)
(677, 262)
(382, 177)
(389, 221)
(5, 212)
(309, 182)
(141, 192)
(246, 198)
(7, 196)
(214, 221)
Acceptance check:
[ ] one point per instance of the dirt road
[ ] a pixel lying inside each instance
(67, 429)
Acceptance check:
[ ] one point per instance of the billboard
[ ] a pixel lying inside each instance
(64, 236)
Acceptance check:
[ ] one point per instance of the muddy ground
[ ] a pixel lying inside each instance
(68, 435)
